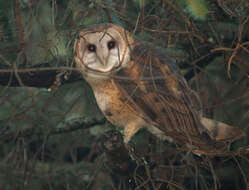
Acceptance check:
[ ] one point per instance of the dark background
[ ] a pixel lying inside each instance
(52, 134)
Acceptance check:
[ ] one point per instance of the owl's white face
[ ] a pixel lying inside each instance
(101, 51)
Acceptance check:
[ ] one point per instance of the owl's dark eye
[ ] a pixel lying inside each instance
(111, 44)
(91, 48)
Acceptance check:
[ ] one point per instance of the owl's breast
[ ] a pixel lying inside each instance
(111, 102)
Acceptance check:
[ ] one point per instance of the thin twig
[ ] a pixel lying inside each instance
(19, 25)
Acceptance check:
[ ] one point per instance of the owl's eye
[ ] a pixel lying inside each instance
(91, 48)
(111, 44)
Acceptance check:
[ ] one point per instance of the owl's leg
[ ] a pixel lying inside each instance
(131, 129)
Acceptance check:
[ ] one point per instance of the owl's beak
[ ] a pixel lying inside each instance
(102, 59)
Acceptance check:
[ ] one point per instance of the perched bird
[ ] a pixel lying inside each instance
(137, 85)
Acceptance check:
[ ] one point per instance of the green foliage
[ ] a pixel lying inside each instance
(197, 8)
(33, 107)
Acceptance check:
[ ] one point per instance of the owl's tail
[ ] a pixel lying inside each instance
(220, 131)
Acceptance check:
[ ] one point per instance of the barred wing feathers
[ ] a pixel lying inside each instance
(157, 89)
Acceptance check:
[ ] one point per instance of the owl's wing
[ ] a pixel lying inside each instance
(154, 87)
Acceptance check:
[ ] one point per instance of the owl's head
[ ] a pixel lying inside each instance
(102, 49)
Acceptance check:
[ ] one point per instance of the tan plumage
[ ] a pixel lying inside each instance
(136, 85)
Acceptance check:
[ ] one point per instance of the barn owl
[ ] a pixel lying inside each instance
(136, 85)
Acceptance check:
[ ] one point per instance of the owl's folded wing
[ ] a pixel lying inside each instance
(155, 87)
